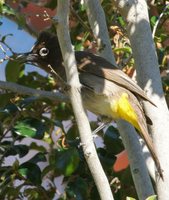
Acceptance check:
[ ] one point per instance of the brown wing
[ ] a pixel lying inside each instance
(97, 65)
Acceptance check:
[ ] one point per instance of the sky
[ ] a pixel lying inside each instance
(20, 42)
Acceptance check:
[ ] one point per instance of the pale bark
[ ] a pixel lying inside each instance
(138, 168)
(23, 90)
(148, 76)
(96, 16)
(90, 153)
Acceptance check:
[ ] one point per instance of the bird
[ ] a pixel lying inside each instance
(106, 90)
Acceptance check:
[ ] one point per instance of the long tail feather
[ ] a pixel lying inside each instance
(144, 134)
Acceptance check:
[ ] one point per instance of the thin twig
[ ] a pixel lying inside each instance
(158, 21)
(14, 87)
(60, 79)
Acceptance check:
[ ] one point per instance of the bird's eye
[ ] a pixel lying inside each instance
(43, 52)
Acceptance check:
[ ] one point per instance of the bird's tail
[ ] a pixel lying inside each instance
(145, 135)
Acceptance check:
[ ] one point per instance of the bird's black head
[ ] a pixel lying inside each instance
(45, 52)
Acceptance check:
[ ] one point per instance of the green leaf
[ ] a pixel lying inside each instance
(4, 100)
(9, 193)
(51, 4)
(161, 53)
(63, 111)
(4, 9)
(78, 188)
(6, 144)
(15, 165)
(112, 141)
(31, 171)
(106, 158)
(11, 108)
(39, 157)
(153, 20)
(13, 70)
(27, 101)
(153, 197)
(21, 20)
(21, 150)
(38, 147)
(72, 136)
(2, 128)
(30, 127)
(82, 7)
(130, 198)
(121, 21)
(94, 193)
(46, 170)
(1, 5)
(5, 171)
(32, 193)
(65, 161)
(79, 47)
(2, 2)
(123, 49)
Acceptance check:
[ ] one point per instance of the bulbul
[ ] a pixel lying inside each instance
(106, 90)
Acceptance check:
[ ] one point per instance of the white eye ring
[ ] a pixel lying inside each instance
(43, 52)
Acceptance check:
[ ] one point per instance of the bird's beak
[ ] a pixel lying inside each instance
(28, 57)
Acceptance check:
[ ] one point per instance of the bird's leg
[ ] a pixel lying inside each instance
(99, 128)
(105, 121)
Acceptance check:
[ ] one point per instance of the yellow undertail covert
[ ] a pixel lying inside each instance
(121, 108)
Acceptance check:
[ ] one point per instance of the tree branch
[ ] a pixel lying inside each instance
(19, 89)
(138, 168)
(139, 31)
(75, 97)
(99, 29)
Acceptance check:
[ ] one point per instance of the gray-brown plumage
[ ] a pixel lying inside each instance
(106, 90)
